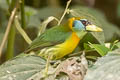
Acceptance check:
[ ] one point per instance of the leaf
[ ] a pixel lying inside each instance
(88, 38)
(118, 44)
(99, 36)
(86, 46)
(32, 18)
(22, 68)
(74, 68)
(63, 77)
(3, 5)
(49, 11)
(101, 49)
(105, 68)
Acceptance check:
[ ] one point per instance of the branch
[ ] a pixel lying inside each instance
(8, 29)
(66, 9)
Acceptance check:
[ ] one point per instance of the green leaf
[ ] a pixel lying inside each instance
(22, 68)
(99, 36)
(101, 49)
(86, 46)
(49, 11)
(118, 44)
(105, 68)
(32, 18)
(3, 5)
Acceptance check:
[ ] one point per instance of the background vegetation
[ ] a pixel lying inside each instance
(32, 13)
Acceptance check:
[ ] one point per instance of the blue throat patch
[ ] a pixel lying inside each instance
(78, 25)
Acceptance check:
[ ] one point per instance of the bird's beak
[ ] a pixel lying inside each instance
(93, 28)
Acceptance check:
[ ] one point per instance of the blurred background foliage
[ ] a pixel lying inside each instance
(106, 13)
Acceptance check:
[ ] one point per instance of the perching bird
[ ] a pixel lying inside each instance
(62, 40)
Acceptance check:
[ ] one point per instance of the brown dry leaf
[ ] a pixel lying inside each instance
(74, 67)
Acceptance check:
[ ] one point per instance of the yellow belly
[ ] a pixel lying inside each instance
(68, 46)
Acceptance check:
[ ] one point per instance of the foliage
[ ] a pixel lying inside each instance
(97, 53)
(105, 68)
(22, 68)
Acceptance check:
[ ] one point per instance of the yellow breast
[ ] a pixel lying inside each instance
(68, 46)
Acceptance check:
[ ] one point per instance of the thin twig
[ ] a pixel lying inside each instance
(8, 29)
(66, 9)
(45, 23)
(21, 31)
(78, 53)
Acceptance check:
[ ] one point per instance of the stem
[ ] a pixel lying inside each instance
(10, 44)
(8, 2)
(21, 31)
(7, 30)
(11, 35)
(66, 9)
(22, 14)
(78, 53)
(45, 23)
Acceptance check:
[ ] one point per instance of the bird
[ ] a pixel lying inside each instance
(62, 40)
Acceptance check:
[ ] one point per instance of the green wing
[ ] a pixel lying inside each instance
(50, 37)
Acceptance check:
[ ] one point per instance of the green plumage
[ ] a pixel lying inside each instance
(50, 37)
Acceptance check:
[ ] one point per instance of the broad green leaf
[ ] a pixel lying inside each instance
(105, 68)
(88, 38)
(99, 36)
(118, 44)
(22, 68)
(86, 46)
(101, 49)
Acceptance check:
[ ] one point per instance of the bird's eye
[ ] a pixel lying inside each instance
(85, 22)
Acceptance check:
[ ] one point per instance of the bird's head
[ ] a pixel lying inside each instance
(82, 26)
(77, 24)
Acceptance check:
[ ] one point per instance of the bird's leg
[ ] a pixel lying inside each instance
(47, 64)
